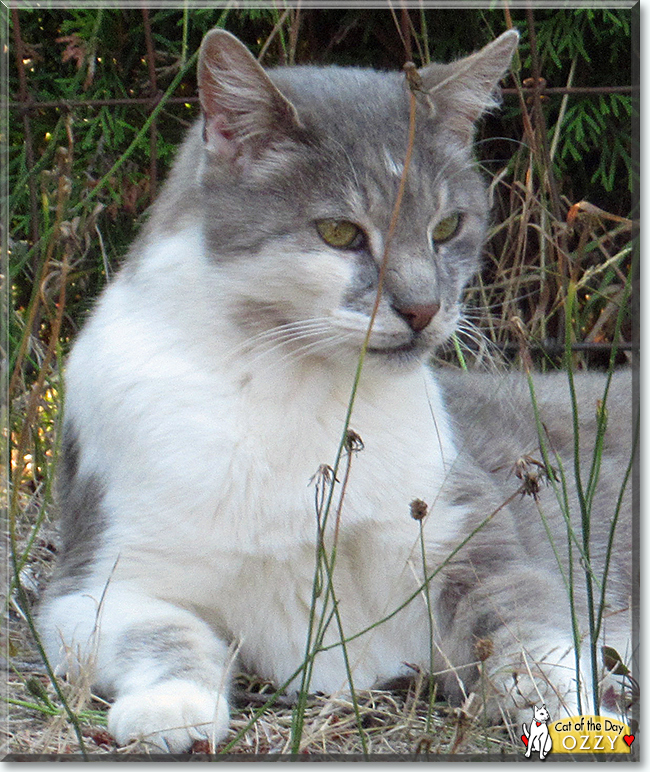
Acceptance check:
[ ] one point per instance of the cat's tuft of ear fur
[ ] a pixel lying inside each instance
(462, 91)
(244, 112)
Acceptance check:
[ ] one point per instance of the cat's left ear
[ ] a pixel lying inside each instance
(244, 112)
(462, 91)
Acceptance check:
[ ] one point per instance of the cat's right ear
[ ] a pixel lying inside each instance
(462, 91)
(244, 113)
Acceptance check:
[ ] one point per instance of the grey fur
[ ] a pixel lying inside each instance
(82, 520)
(175, 651)
(485, 587)
(324, 170)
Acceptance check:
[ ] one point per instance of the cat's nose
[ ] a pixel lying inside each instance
(418, 317)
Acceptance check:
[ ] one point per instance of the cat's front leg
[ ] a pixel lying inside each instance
(165, 669)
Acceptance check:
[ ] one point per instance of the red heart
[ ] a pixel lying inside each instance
(525, 739)
(629, 739)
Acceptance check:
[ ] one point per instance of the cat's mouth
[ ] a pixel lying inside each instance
(412, 349)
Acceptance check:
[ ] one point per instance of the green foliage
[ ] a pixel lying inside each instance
(598, 36)
(589, 47)
(587, 131)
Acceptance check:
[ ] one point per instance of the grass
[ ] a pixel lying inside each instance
(394, 722)
(556, 269)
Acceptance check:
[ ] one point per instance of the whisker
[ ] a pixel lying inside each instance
(488, 352)
(289, 327)
(468, 328)
(280, 333)
(511, 140)
(283, 339)
(273, 346)
(284, 336)
(470, 307)
(322, 344)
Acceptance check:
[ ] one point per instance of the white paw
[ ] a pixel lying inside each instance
(169, 716)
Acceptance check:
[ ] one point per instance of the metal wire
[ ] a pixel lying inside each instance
(32, 104)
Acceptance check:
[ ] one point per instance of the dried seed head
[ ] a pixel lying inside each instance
(483, 648)
(324, 474)
(201, 746)
(418, 509)
(413, 77)
(532, 473)
(353, 442)
(602, 414)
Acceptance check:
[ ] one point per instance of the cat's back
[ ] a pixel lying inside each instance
(494, 414)
(498, 424)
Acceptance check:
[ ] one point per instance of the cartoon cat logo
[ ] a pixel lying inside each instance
(536, 737)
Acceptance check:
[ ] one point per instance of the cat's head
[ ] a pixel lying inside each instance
(301, 171)
(540, 714)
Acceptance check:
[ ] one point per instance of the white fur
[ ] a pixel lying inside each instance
(392, 166)
(169, 716)
(211, 504)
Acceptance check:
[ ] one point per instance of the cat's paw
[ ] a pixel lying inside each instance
(169, 716)
(516, 694)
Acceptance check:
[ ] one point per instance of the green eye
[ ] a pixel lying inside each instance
(341, 234)
(446, 228)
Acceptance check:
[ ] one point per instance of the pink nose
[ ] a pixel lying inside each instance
(418, 317)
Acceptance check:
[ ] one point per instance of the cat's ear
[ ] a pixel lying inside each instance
(462, 91)
(244, 112)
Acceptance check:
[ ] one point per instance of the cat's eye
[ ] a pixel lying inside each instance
(446, 228)
(341, 234)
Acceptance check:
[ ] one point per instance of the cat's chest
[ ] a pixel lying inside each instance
(284, 453)
(272, 470)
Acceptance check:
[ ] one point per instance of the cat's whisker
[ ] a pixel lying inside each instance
(280, 333)
(486, 348)
(279, 336)
(477, 311)
(296, 333)
(289, 327)
(286, 326)
(478, 163)
(468, 165)
(467, 328)
(318, 346)
(293, 354)
(275, 346)
(463, 338)
(512, 140)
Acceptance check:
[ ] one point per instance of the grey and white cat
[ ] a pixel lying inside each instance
(211, 385)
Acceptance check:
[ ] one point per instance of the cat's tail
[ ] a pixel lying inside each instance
(525, 728)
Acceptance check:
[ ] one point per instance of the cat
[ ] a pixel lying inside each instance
(537, 736)
(206, 401)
